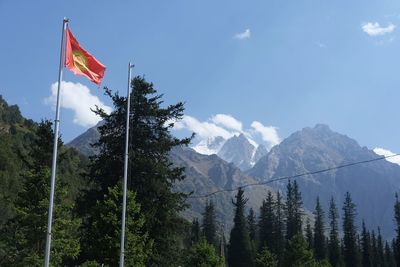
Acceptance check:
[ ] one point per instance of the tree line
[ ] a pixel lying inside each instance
(277, 236)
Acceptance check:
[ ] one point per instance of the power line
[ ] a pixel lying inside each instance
(294, 176)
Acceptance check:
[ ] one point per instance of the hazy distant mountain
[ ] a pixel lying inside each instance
(371, 185)
(83, 143)
(209, 173)
(238, 151)
(209, 145)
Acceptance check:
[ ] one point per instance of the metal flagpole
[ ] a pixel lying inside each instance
(55, 145)
(128, 107)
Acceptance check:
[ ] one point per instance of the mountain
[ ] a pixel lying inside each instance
(239, 151)
(210, 145)
(208, 173)
(83, 143)
(372, 185)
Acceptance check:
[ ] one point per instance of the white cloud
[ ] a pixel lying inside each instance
(243, 35)
(385, 152)
(375, 29)
(226, 126)
(204, 129)
(269, 133)
(227, 121)
(321, 45)
(77, 97)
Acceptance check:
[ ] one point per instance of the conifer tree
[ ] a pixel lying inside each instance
(309, 235)
(266, 223)
(203, 254)
(239, 250)
(151, 174)
(366, 247)
(396, 248)
(380, 249)
(266, 259)
(319, 232)
(279, 226)
(209, 225)
(24, 235)
(334, 247)
(251, 222)
(195, 231)
(389, 259)
(350, 253)
(293, 210)
(374, 249)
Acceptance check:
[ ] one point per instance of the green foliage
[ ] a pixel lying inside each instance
(24, 234)
(239, 249)
(266, 223)
(319, 232)
(209, 225)
(334, 241)
(266, 259)
(397, 221)
(101, 242)
(366, 246)
(293, 210)
(195, 234)
(350, 251)
(299, 255)
(309, 235)
(203, 254)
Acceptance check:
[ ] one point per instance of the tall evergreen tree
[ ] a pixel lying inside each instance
(380, 249)
(209, 225)
(279, 226)
(151, 174)
(366, 247)
(389, 259)
(374, 249)
(266, 223)
(396, 249)
(334, 241)
(293, 210)
(319, 232)
(239, 250)
(195, 234)
(251, 220)
(252, 224)
(350, 253)
(309, 235)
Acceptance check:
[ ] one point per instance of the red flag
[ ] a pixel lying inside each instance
(80, 62)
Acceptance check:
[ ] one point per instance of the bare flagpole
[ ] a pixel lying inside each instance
(55, 146)
(128, 107)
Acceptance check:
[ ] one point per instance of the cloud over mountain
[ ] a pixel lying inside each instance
(226, 126)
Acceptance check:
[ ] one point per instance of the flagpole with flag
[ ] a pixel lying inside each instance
(80, 62)
(128, 107)
(55, 146)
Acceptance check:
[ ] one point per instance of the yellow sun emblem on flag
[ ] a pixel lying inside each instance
(80, 60)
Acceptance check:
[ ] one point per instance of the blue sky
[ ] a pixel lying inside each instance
(283, 64)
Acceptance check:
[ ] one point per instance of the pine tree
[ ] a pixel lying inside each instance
(266, 223)
(239, 250)
(203, 254)
(293, 210)
(334, 241)
(266, 259)
(298, 254)
(366, 247)
(209, 225)
(309, 235)
(195, 231)
(389, 259)
(279, 226)
(380, 249)
(251, 222)
(151, 174)
(350, 253)
(105, 233)
(319, 232)
(396, 249)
